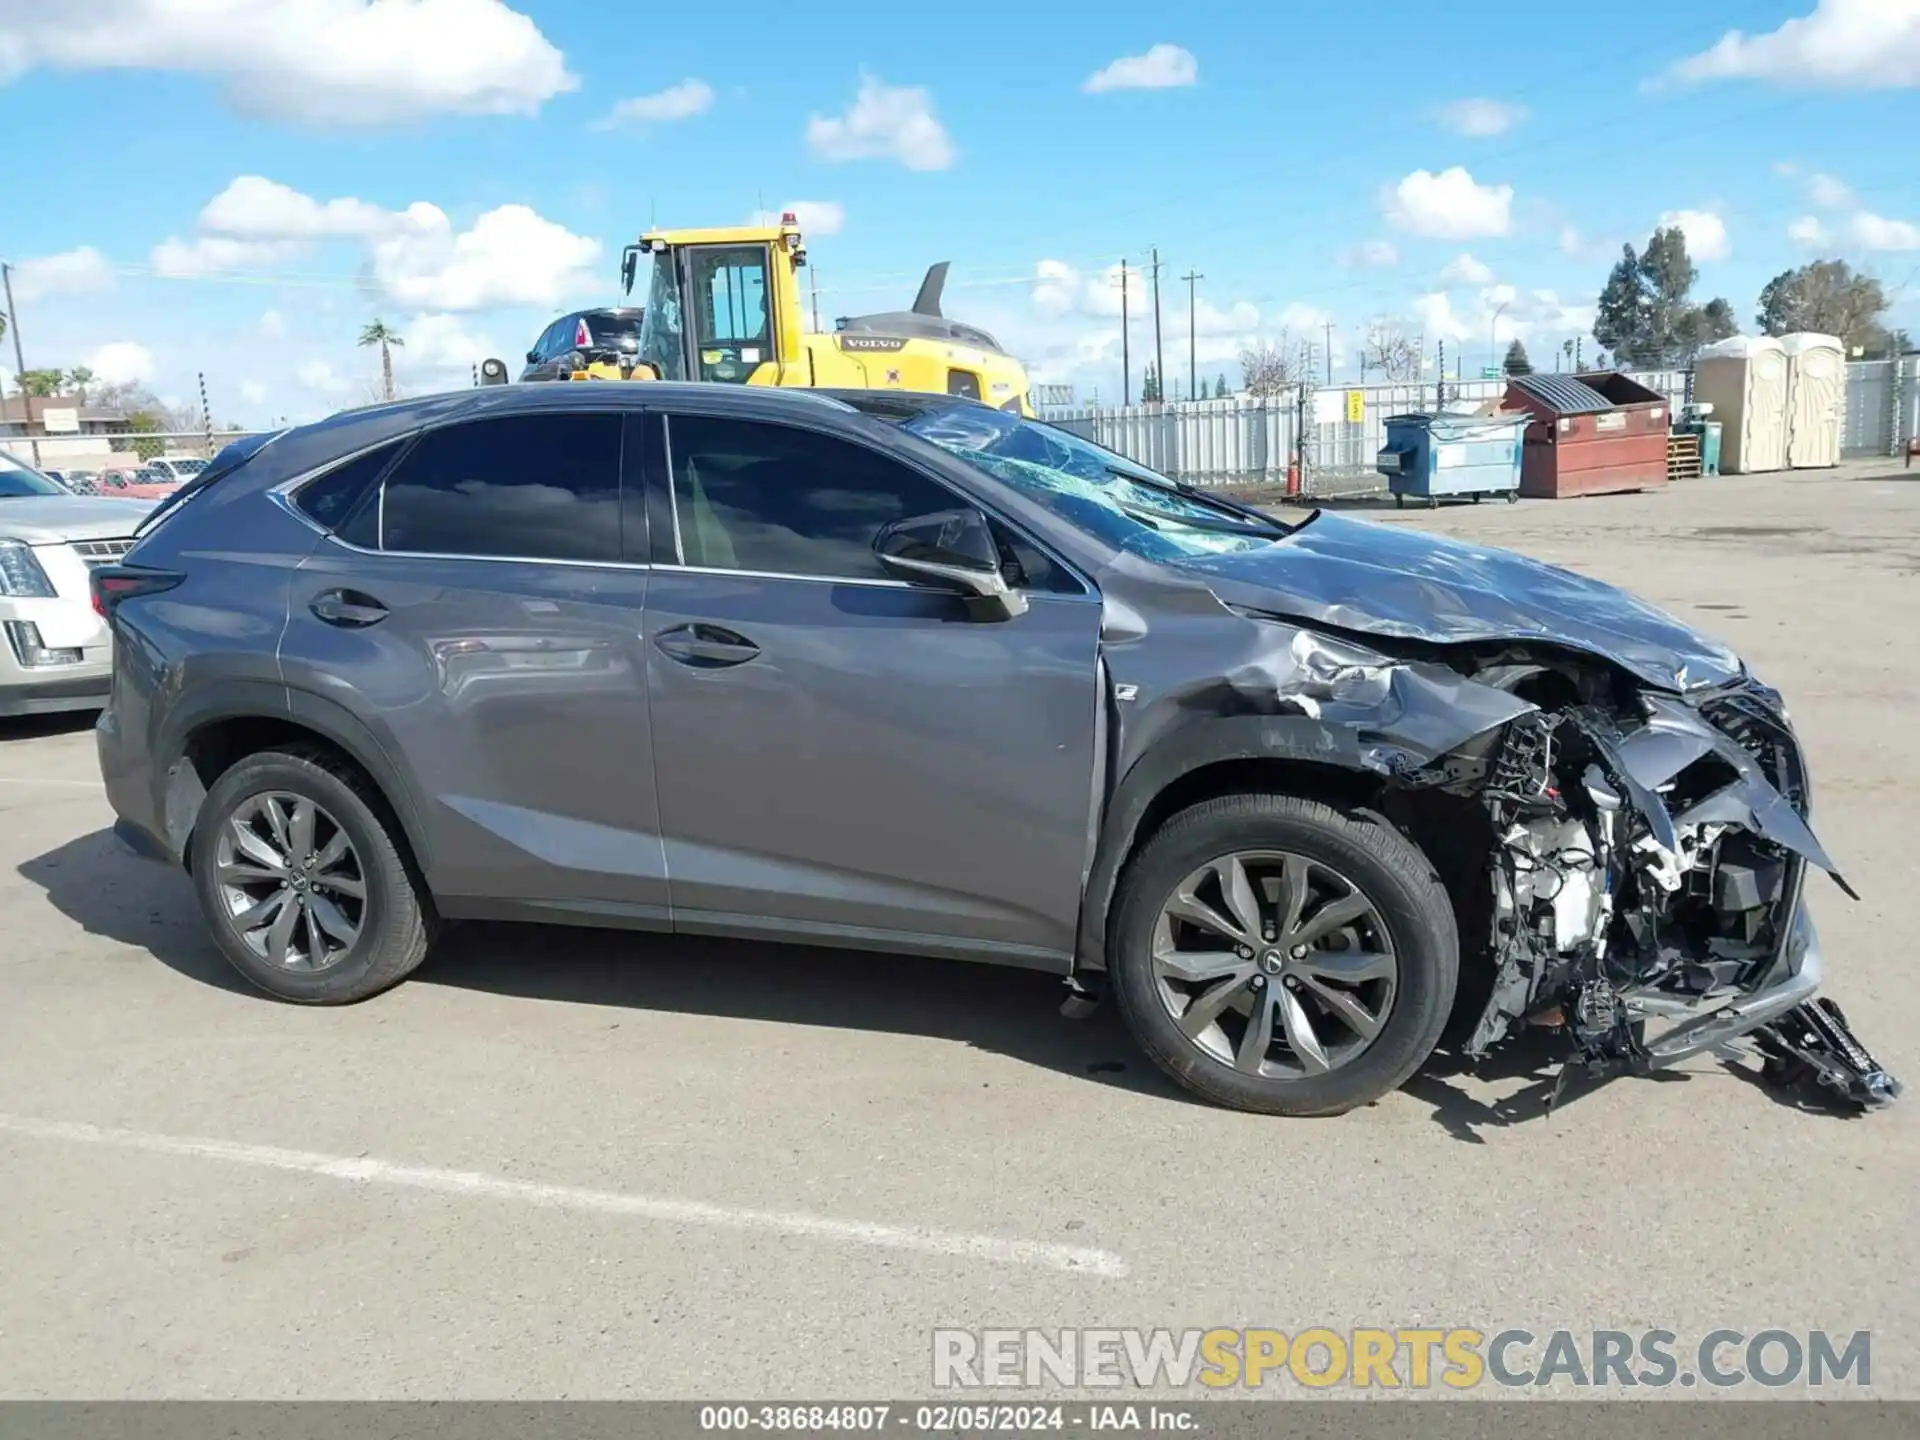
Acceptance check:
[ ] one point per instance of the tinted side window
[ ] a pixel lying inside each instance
(541, 486)
(755, 496)
(329, 499)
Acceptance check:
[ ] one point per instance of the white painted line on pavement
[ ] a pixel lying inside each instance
(368, 1171)
(35, 780)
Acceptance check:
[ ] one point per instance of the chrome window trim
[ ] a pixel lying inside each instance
(488, 559)
(673, 499)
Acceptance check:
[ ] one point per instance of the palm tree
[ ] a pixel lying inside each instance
(379, 333)
(80, 377)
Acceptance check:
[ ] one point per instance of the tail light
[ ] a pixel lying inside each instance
(113, 583)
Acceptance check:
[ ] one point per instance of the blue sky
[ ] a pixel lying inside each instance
(235, 186)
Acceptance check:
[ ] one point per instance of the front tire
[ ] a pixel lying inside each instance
(301, 878)
(1271, 953)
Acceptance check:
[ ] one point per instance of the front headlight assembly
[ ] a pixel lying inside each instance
(1338, 671)
(20, 574)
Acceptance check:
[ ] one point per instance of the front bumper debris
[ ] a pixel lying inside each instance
(1812, 1042)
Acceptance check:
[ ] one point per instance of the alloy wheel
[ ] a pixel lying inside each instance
(294, 887)
(1275, 964)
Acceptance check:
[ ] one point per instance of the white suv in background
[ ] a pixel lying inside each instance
(55, 653)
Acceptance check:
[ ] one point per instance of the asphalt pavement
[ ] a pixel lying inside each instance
(581, 1164)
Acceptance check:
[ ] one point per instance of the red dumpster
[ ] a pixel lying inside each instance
(1593, 434)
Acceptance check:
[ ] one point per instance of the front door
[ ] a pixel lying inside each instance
(842, 754)
(479, 616)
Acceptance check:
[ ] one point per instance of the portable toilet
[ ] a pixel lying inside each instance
(1745, 380)
(1816, 399)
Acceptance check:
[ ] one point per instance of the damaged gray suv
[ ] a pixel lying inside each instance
(913, 675)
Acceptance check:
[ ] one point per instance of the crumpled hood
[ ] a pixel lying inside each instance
(1393, 580)
(52, 519)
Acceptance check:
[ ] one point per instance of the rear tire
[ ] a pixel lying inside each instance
(1385, 872)
(364, 943)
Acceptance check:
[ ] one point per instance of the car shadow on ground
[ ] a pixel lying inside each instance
(96, 882)
(39, 727)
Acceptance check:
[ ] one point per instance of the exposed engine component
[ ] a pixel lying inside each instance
(1647, 865)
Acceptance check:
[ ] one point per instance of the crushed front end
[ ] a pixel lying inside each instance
(1648, 860)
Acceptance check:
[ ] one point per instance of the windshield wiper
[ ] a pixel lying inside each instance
(1261, 523)
(1222, 526)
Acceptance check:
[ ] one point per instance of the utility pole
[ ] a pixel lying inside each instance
(20, 365)
(206, 415)
(1440, 380)
(1329, 352)
(1193, 357)
(1126, 363)
(813, 279)
(1159, 358)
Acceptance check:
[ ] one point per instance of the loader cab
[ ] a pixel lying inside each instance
(719, 304)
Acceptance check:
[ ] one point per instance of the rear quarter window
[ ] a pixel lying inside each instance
(339, 499)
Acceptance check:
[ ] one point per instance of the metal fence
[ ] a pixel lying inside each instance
(1883, 406)
(1247, 442)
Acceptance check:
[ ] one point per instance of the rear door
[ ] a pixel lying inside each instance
(478, 611)
(840, 753)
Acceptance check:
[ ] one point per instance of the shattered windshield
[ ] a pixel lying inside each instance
(1106, 494)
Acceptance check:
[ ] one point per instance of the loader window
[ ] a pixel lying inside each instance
(660, 331)
(733, 338)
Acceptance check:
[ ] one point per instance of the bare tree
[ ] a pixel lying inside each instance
(1391, 351)
(1267, 370)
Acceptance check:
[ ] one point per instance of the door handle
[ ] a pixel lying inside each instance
(706, 647)
(349, 609)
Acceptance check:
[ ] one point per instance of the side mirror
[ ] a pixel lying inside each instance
(629, 267)
(493, 372)
(533, 357)
(952, 550)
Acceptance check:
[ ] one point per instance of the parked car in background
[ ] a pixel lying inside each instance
(604, 344)
(80, 482)
(55, 653)
(176, 468)
(905, 673)
(146, 483)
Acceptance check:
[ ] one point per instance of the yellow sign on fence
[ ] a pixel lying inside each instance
(1356, 407)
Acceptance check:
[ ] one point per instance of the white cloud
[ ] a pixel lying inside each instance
(1481, 117)
(180, 259)
(885, 122)
(1570, 242)
(124, 362)
(440, 350)
(272, 326)
(1876, 232)
(1059, 289)
(1463, 269)
(1706, 233)
(1829, 192)
(253, 207)
(1374, 253)
(1163, 67)
(322, 62)
(321, 377)
(814, 217)
(1498, 314)
(72, 272)
(1853, 44)
(253, 392)
(1807, 230)
(677, 102)
(1449, 206)
(511, 256)
(1240, 318)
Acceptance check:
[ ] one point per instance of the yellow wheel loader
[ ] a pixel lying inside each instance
(724, 305)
